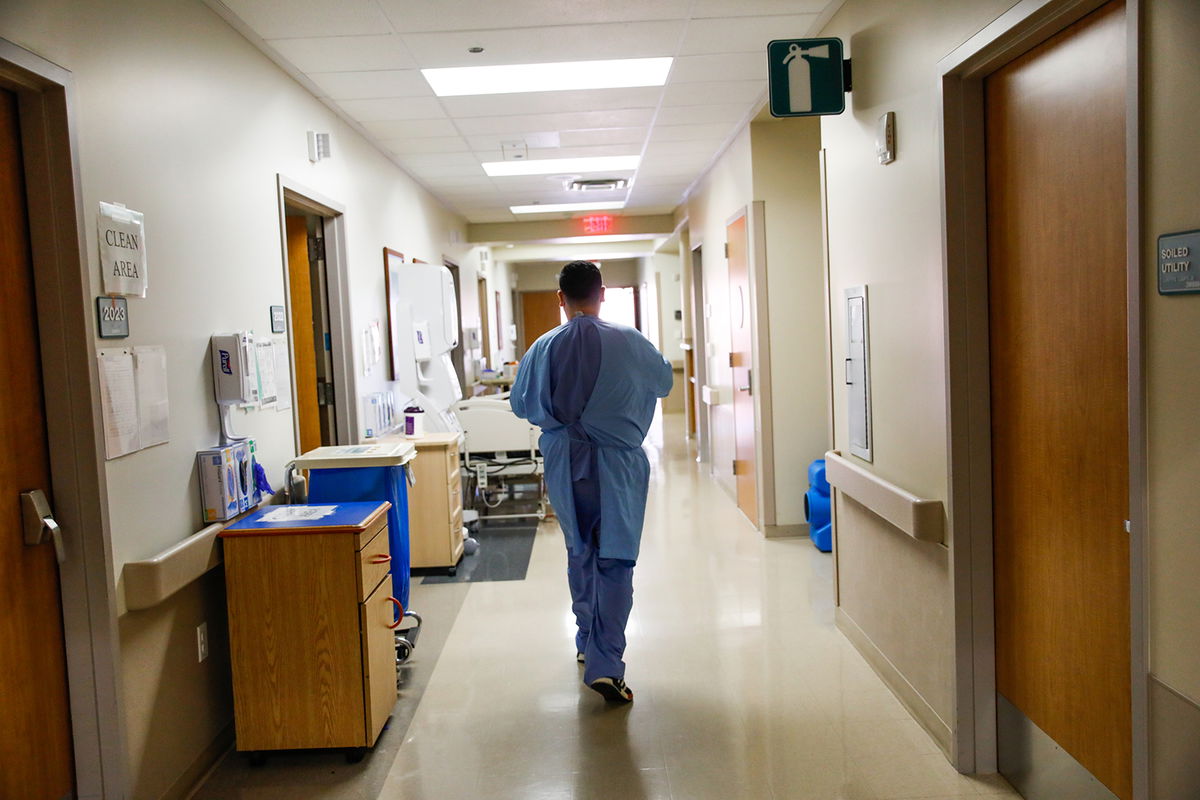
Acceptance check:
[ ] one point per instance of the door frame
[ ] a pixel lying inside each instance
(965, 302)
(760, 360)
(65, 313)
(345, 386)
(695, 268)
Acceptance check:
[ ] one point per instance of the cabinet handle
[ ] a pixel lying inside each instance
(381, 558)
(399, 616)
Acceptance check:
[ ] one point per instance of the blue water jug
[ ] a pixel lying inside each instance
(816, 507)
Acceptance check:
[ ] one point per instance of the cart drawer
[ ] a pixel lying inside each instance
(374, 562)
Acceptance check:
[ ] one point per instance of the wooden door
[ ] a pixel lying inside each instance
(540, 312)
(35, 734)
(1057, 273)
(741, 361)
(304, 344)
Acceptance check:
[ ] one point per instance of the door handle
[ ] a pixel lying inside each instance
(39, 520)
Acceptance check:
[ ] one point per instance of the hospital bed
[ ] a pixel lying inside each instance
(501, 459)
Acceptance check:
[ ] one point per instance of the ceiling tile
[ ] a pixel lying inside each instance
(495, 105)
(297, 18)
(434, 160)
(468, 183)
(662, 152)
(587, 152)
(476, 126)
(582, 138)
(746, 8)
(388, 130)
(487, 214)
(375, 83)
(707, 93)
(696, 115)
(665, 208)
(683, 133)
(435, 144)
(345, 53)
(721, 67)
(446, 171)
(742, 34)
(392, 108)
(542, 45)
(422, 15)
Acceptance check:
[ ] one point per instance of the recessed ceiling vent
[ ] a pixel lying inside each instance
(597, 184)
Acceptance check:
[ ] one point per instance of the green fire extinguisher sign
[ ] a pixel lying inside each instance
(807, 77)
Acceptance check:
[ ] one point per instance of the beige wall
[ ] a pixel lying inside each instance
(885, 232)
(787, 181)
(542, 276)
(1171, 203)
(775, 162)
(727, 189)
(179, 117)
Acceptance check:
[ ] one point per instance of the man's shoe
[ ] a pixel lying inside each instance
(613, 690)
(580, 659)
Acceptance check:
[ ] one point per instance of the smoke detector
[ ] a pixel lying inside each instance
(596, 184)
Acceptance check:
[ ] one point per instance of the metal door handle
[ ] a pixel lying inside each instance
(39, 520)
(745, 388)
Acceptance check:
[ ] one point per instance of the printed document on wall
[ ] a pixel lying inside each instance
(150, 374)
(283, 374)
(264, 356)
(118, 400)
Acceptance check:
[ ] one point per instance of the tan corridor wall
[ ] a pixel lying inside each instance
(786, 160)
(180, 118)
(1171, 203)
(885, 232)
(726, 189)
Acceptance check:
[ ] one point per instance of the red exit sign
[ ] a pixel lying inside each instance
(598, 223)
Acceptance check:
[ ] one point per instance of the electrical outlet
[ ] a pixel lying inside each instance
(202, 641)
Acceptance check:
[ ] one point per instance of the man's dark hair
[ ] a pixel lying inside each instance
(580, 281)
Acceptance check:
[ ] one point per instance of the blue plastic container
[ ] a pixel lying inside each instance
(816, 507)
(372, 483)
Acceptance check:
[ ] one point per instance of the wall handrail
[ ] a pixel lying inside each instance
(920, 518)
(150, 581)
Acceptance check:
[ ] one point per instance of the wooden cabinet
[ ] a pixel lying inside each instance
(310, 615)
(435, 503)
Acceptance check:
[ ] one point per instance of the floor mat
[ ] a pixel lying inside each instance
(503, 555)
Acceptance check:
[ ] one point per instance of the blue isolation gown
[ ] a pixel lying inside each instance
(592, 386)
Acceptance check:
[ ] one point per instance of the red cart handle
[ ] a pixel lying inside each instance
(400, 617)
(381, 558)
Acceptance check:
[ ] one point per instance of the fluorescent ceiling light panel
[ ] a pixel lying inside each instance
(549, 208)
(551, 166)
(617, 73)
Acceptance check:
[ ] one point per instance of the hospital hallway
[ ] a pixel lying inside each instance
(743, 687)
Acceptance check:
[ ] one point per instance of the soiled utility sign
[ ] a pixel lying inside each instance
(122, 236)
(1179, 263)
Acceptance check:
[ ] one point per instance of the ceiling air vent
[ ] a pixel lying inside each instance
(597, 185)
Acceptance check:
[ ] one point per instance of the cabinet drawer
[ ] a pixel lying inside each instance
(376, 614)
(374, 561)
(454, 498)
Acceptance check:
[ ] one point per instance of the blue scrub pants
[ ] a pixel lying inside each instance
(601, 591)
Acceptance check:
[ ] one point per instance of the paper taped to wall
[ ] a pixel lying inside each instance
(133, 399)
(150, 379)
(118, 400)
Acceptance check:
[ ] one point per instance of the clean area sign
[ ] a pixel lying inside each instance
(807, 77)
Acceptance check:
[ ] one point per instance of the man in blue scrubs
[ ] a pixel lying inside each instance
(592, 387)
